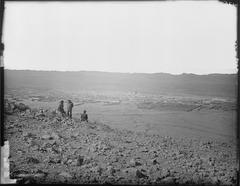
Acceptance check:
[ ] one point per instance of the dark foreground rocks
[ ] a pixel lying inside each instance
(46, 148)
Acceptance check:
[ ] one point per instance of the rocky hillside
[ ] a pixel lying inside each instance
(47, 148)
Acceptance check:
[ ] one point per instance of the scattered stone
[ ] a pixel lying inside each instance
(76, 145)
(35, 147)
(75, 134)
(110, 154)
(168, 180)
(27, 180)
(80, 160)
(139, 174)
(55, 136)
(25, 134)
(40, 114)
(46, 137)
(21, 107)
(128, 141)
(19, 173)
(50, 143)
(69, 161)
(110, 170)
(56, 150)
(97, 169)
(130, 171)
(54, 161)
(215, 180)
(165, 173)
(134, 163)
(154, 161)
(64, 176)
(144, 150)
(32, 160)
(87, 160)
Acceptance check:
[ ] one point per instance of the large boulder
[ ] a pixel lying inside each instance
(8, 107)
(19, 107)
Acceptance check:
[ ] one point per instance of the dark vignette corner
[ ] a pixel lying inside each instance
(1, 73)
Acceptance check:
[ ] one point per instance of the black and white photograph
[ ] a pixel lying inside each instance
(121, 92)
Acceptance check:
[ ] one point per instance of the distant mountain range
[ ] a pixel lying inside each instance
(214, 85)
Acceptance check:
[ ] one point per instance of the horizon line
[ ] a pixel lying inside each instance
(183, 73)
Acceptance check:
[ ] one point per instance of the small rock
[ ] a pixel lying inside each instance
(135, 172)
(165, 173)
(189, 164)
(26, 180)
(97, 169)
(196, 179)
(18, 172)
(168, 180)
(144, 150)
(54, 161)
(29, 142)
(64, 176)
(87, 160)
(40, 115)
(46, 145)
(214, 180)
(39, 175)
(222, 173)
(20, 152)
(130, 171)
(180, 156)
(25, 134)
(69, 161)
(154, 161)
(46, 136)
(55, 136)
(80, 160)
(75, 134)
(32, 160)
(110, 170)
(52, 142)
(76, 145)
(134, 163)
(128, 141)
(139, 174)
(35, 147)
(23, 175)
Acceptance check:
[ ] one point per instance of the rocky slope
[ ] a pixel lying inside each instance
(46, 148)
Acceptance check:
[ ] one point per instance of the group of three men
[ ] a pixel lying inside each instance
(84, 116)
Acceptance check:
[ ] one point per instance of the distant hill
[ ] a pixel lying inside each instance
(216, 85)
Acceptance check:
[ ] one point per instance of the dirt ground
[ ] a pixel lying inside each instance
(130, 139)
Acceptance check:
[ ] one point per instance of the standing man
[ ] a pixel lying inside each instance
(69, 108)
(60, 108)
(84, 116)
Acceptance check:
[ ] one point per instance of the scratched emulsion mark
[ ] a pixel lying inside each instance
(5, 165)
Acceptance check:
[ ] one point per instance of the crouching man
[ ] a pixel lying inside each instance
(84, 116)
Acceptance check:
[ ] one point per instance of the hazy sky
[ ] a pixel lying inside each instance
(172, 37)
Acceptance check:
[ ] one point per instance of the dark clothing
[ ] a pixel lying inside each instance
(84, 117)
(61, 109)
(69, 109)
(69, 113)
